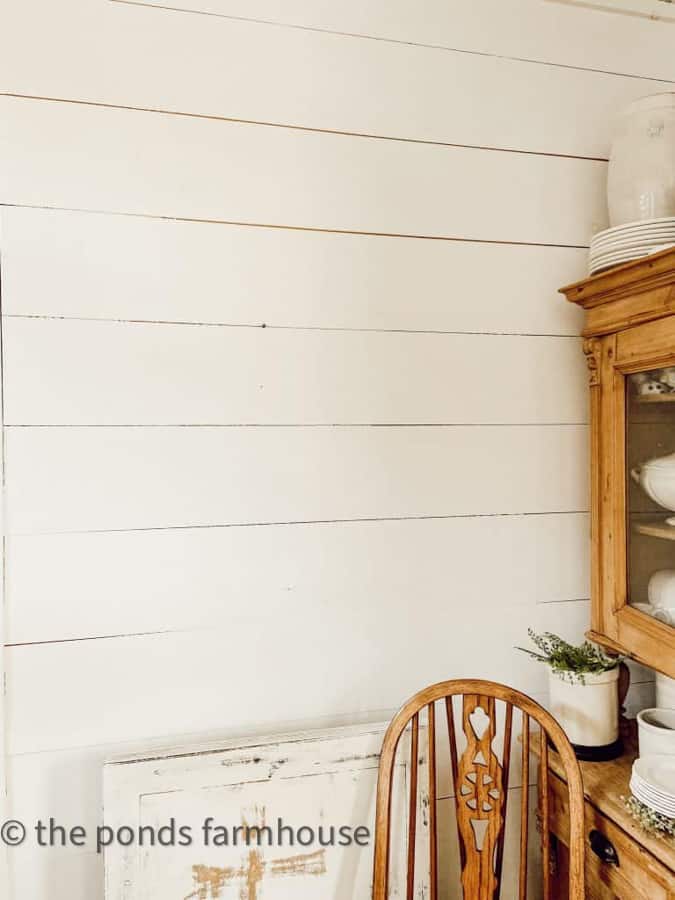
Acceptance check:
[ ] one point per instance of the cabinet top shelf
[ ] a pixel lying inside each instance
(656, 398)
(656, 528)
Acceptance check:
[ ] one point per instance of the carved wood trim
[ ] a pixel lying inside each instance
(481, 797)
(592, 348)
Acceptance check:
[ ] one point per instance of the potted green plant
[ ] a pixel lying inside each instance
(583, 693)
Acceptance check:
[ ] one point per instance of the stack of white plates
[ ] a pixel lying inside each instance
(653, 783)
(619, 245)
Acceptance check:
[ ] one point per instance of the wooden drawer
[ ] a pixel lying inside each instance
(636, 875)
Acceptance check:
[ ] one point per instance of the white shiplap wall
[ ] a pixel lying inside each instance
(289, 398)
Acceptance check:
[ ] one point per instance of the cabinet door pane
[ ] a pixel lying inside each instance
(650, 492)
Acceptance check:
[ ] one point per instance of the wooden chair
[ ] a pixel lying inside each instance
(480, 787)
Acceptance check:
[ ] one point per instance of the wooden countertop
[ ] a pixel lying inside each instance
(605, 783)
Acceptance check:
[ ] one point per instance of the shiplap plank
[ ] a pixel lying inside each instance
(82, 585)
(137, 687)
(83, 264)
(56, 874)
(148, 163)
(138, 374)
(73, 479)
(412, 92)
(530, 29)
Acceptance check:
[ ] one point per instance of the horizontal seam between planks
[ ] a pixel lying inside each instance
(565, 600)
(369, 519)
(310, 228)
(106, 637)
(401, 425)
(213, 625)
(274, 327)
(196, 630)
(400, 41)
(211, 117)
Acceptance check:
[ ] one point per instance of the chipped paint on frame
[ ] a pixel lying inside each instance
(319, 778)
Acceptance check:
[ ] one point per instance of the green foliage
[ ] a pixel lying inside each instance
(568, 661)
(652, 822)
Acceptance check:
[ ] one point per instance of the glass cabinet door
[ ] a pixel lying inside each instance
(650, 492)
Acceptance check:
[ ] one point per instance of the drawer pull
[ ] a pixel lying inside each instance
(603, 848)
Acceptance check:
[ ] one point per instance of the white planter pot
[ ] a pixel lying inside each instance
(589, 712)
(641, 175)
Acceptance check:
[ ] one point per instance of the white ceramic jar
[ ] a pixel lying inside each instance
(657, 479)
(665, 691)
(641, 175)
(656, 731)
(588, 712)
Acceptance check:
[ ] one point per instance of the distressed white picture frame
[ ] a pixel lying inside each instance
(307, 778)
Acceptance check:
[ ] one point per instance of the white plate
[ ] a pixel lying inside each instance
(666, 809)
(616, 260)
(629, 232)
(636, 253)
(621, 254)
(596, 267)
(618, 251)
(648, 791)
(657, 772)
(639, 223)
(609, 258)
(651, 788)
(637, 228)
(668, 814)
(643, 248)
(637, 241)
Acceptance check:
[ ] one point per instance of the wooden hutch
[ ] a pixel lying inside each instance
(629, 342)
(629, 336)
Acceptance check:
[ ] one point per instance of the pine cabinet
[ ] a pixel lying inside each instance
(629, 342)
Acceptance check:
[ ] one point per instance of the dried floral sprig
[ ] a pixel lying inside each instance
(652, 822)
(569, 662)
